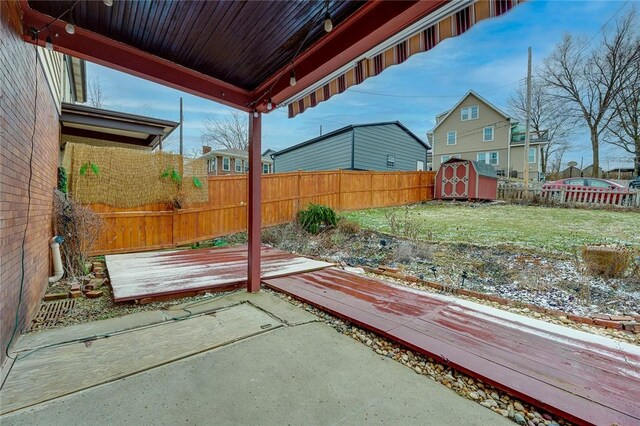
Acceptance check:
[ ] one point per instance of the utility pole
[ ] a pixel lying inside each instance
(526, 130)
(181, 121)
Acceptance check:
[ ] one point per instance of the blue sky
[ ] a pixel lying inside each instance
(491, 59)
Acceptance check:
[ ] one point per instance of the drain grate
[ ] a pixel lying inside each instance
(51, 312)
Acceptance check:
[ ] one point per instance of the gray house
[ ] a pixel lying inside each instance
(376, 146)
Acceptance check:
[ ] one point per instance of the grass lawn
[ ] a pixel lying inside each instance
(531, 227)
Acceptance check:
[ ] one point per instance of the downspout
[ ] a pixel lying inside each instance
(58, 272)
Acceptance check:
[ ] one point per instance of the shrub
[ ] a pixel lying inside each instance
(403, 225)
(80, 227)
(407, 251)
(317, 217)
(348, 227)
(606, 261)
(62, 180)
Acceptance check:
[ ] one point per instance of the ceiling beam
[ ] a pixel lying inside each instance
(104, 51)
(368, 27)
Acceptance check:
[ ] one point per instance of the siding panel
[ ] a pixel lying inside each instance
(329, 154)
(374, 143)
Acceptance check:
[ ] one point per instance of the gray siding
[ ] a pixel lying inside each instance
(374, 143)
(329, 154)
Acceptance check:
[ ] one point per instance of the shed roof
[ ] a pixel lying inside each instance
(349, 129)
(485, 169)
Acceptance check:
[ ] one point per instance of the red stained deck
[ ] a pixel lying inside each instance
(585, 378)
(163, 274)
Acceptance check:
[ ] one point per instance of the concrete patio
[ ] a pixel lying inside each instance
(293, 369)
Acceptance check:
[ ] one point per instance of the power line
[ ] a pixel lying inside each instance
(391, 95)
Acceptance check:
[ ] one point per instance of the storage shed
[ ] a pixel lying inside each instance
(459, 179)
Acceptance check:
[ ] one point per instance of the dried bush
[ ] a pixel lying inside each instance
(348, 227)
(606, 261)
(80, 227)
(317, 217)
(404, 225)
(289, 237)
(407, 251)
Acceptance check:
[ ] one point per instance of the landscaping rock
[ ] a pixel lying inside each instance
(55, 296)
(75, 294)
(93, 294)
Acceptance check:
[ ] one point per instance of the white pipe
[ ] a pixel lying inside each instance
(58, 272)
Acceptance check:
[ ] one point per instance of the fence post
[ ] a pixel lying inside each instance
(174, 223)
(370, 187)
(339, 207)
(299, 191)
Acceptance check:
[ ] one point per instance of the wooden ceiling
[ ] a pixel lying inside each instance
(238, 42)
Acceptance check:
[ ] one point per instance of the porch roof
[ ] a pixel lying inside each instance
(241, 53)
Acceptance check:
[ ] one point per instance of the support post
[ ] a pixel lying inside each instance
(181, 124)
(527, 125)
(255, 205)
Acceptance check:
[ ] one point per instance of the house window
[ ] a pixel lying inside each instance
(487, 134)
(238, 164)
(488, 158)
(245, 163)
(532, 155)
(493, 158)
(451, 138)
(226, 164)
(469, 113)
(212, 164)
(444, 158)
(265, 168)
(391, 160)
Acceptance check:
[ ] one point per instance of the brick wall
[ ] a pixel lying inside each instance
(18, 74)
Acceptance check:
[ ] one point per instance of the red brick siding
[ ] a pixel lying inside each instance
(18, 74)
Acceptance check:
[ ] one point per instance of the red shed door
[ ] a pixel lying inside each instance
(455, 180)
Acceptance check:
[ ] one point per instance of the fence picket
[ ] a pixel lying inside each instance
(575, 195)
(283, 195)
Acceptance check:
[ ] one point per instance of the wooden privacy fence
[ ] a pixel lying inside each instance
(155, 226)
(575, 195)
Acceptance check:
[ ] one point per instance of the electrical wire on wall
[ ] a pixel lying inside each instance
(26, 225)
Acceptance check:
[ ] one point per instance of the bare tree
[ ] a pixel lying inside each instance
(546, 117)
(590, 81)
(96, 96)
(555, 161)
(624, 130)
(230, 132)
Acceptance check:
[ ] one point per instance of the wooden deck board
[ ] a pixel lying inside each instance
(585, 378)
(139, 276)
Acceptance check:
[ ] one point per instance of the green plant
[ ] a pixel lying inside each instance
(86, 166)
(173, 174)
(316, 217)
(62, 180)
